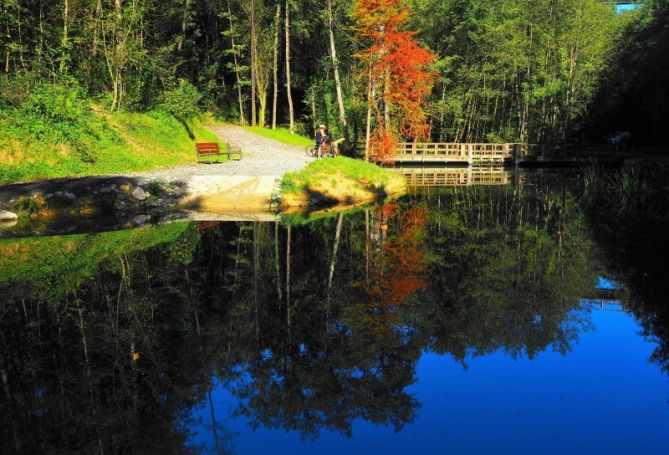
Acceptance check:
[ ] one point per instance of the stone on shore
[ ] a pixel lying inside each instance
(139, 194)
(8, 216)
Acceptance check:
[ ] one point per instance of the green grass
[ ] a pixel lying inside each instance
(335, 171)
(281, 135)
(94, 142)
(54, 263)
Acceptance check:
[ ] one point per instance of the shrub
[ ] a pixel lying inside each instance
(182, 101)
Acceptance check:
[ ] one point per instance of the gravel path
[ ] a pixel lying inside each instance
(260, 157)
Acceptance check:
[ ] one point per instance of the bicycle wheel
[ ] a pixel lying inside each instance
(310, 151)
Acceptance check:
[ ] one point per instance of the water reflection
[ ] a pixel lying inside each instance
(109, 341)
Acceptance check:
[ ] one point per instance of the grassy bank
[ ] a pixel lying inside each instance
(281, 135)
(100, 144)
(339, 181)
(52, 262)
(57, 131)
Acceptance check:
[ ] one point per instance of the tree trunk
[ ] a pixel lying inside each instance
(64, 45)
(291, 113)
(184, 26)
(367, 240)
(253, 64)
(288, 309)
(333, 262)
(256, 274)
(335, 66)
(313, 111)
(238, 78)
(277, 265)
(370, 95)
(275, 97)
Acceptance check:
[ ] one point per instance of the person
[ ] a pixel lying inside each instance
(321, 138)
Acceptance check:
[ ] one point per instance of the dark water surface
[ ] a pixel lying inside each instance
(526, 318)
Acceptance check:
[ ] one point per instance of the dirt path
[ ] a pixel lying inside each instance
(248, 186)
(261, 157)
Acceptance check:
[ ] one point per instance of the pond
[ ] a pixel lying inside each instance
(527, 316)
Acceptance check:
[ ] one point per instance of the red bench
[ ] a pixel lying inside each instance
(212, 149)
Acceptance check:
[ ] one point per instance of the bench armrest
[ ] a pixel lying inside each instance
(234, 150)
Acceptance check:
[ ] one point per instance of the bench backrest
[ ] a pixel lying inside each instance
(207, 147)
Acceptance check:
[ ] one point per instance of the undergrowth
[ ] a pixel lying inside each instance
(56, 131)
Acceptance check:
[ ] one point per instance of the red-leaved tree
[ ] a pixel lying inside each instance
(399, 79)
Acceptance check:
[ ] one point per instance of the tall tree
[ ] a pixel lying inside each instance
(275, 68)
(335, 67)
(399, 80)
(236, 65)
(254, 80)
(289, 94)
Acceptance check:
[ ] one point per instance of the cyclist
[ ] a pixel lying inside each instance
(321, 138)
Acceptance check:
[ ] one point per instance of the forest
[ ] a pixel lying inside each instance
(452, 70)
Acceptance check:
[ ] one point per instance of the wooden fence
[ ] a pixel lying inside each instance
(470, 153)
(469, 176)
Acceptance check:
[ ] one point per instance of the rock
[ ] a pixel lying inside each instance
(8, 216)
(7, 224)
(69, 196)
(126, 187)
(87, 210)
(107, 189)
(38, 199)
(139, 194)
(46, 214)
(140, 219)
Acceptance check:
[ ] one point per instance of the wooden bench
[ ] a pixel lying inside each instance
(212, 149)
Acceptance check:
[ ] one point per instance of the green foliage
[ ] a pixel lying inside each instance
(516, 70)
(634, 95)
(26, 205)
(57, 132)
(182, 101)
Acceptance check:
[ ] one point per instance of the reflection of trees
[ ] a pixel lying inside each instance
(627, 210)
(508, 268)
(400, 257)
(69, 378)
(303, 340)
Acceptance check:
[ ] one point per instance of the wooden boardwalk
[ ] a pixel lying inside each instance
(458, 153)
(468, 176)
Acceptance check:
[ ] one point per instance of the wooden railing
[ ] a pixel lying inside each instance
(469, 176)
(471, 153)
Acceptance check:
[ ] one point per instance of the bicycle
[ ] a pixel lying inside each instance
(328, 149)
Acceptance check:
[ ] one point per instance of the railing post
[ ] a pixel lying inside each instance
(470, 154)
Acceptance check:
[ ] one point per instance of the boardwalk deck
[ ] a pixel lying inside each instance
(468, 176)
(460, 153)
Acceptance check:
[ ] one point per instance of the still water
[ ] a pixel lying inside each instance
(519, 318)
